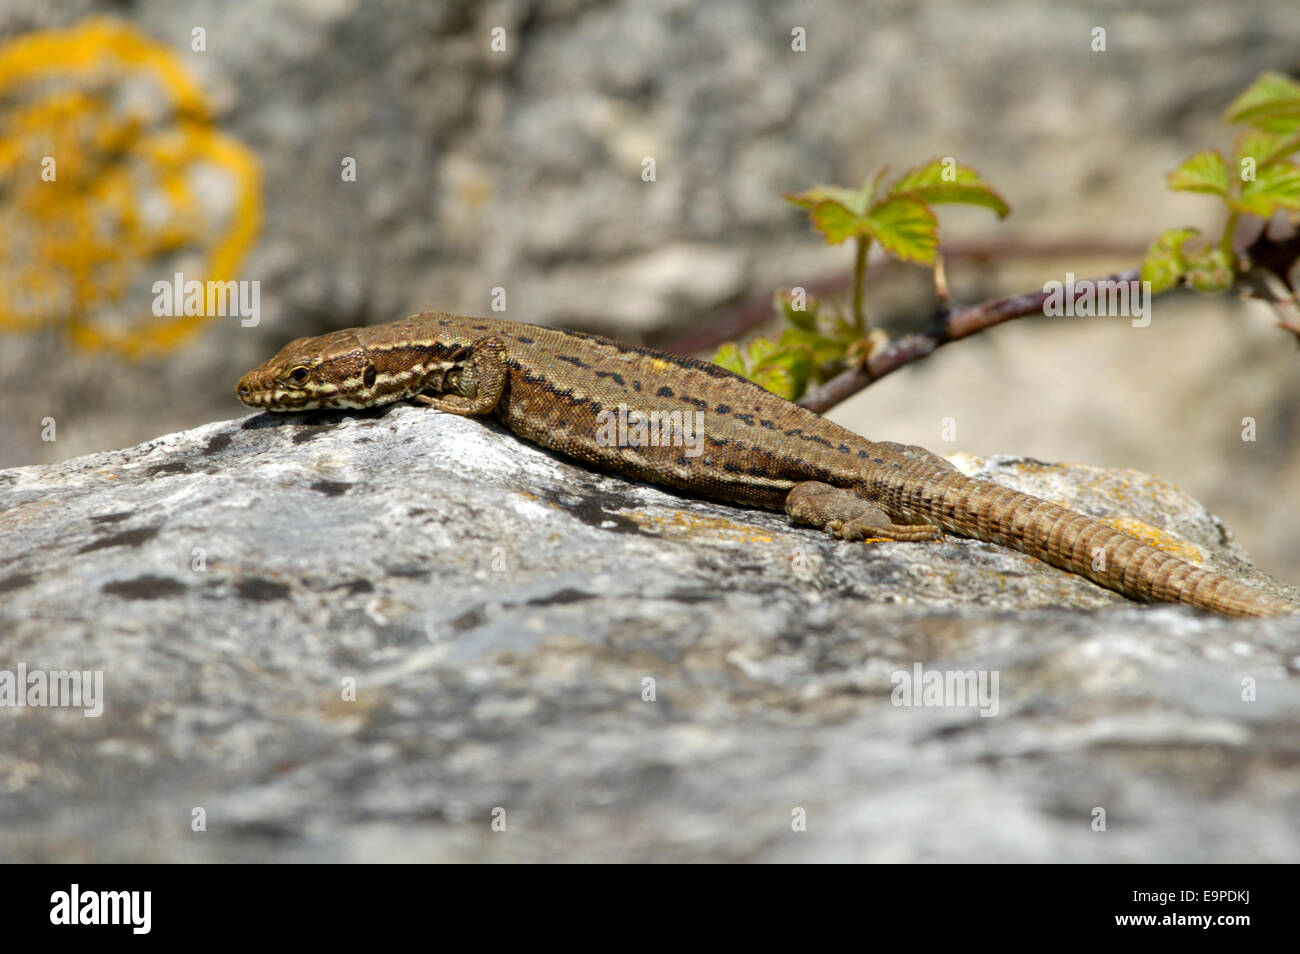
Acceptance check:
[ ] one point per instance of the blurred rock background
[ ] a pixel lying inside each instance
(521, 169)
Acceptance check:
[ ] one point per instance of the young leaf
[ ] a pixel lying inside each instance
(928, 184)
(1271, 103)
(1164, 264)
(1203, 172)
(823, 351)
(1209, 270)
(760, 349)
(872, 189)
(1276, 185)
(836, 221)
(1264, 147)
(729, 357)
(853, 201)
(783, 370)
(805, 317)
(781, 380)
(904, 225)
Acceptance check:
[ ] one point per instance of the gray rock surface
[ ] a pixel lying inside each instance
(499, 612)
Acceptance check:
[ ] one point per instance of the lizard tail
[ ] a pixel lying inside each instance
(1071, 541)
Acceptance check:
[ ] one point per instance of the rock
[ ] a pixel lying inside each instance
(366, 636)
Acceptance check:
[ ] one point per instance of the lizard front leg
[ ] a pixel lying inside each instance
(845, 514)
(473, 388)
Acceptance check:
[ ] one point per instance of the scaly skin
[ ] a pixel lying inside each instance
(551, 387)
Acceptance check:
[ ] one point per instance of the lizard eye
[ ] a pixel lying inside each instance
(298, 375)
(368, 379)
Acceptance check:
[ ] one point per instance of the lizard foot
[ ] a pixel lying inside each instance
(845, 515)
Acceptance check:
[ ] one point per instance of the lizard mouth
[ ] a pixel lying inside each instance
(254, 392)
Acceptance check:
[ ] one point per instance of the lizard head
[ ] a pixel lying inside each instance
(339, 370)
(331, 371)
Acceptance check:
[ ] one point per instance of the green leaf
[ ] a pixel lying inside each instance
(785, 372)
(805, 317)
(1209, 270)
(760, 349)
(836, 222)
(780, 381)
(1264, 147)
(1203, 172)
(728, 357)
(905, 226)
(1271, 103)
(822, 350)
(853, 201)
(783, 369)
(872, 188)
(965, 186)
(1164, 264)
(1275, 186)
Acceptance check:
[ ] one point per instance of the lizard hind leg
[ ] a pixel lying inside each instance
(848, 516)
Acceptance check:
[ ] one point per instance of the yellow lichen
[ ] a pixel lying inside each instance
(683, 523)
(104, 140)
(1155, 537)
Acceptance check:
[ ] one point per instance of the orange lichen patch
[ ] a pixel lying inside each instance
(1155, 537)
(114, 178)
(683, 523)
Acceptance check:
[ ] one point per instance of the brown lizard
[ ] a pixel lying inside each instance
(562, 389)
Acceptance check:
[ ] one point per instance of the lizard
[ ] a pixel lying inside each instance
(557, 388)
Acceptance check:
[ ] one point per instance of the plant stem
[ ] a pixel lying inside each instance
(1229, 230)
(961, 323)
(860, 273)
